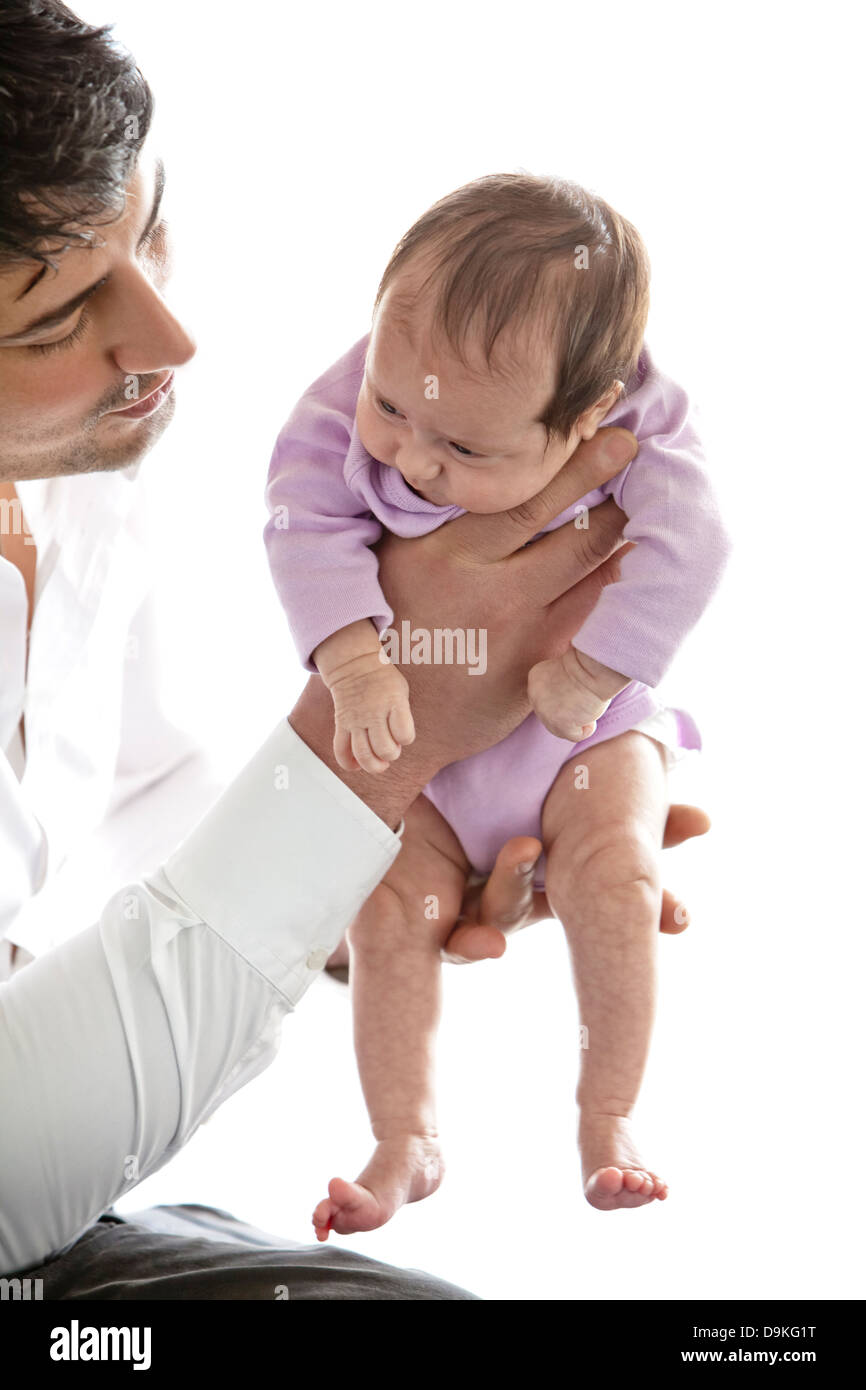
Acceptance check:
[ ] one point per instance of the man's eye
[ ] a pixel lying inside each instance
(156, 234)
(78, 332)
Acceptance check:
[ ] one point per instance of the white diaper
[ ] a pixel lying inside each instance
(663, 727)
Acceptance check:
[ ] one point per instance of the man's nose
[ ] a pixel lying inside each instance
(148, 337)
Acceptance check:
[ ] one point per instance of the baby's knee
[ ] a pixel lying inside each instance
(622, 861)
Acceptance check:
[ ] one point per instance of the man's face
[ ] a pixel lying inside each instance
(87, 352)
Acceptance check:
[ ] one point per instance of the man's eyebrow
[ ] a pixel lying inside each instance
(54, 317)
(464, 444)
(158, 190)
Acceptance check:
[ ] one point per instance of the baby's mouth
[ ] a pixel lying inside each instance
(425, 496)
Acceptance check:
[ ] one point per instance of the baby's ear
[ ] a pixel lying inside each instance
(592, 418)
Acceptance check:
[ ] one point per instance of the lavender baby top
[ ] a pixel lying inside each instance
(337, 499)
(329, 501)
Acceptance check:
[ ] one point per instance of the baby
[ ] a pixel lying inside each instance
(508, 325)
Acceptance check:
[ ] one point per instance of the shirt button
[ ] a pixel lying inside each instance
(316, 959)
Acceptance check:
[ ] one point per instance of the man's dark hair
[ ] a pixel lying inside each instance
(74, 113)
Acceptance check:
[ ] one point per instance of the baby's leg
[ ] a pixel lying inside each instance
(395, 978)
(603, 842)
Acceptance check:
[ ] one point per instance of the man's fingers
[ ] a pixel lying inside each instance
(595, 461)
(507, 898)
(507, 901)
(470, 942)
(567, 615)
(683, 823)
(504, 904)
(562, 558)
(674, 915)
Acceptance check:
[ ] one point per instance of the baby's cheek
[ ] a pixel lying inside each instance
(491, 494)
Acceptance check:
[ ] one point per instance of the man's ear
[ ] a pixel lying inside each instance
(591, 419)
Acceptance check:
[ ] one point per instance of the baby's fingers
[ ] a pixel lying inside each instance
(401, 724)
(365, 754)
(382, 742)
(343, 751)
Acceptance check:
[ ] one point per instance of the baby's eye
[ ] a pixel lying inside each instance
(460, 449)
(389, 409)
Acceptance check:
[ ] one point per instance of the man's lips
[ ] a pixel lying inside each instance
(146, 405)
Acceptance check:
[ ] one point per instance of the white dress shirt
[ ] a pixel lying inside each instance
(121, 1037)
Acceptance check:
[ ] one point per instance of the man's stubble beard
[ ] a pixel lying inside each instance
(85, 456)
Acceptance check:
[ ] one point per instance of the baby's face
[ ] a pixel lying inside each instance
(461, 439)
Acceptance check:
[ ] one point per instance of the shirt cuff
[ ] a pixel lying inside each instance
(280, 865)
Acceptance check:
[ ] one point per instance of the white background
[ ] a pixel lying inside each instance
(301, 141)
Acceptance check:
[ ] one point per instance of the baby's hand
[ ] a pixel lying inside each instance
(372, 715)
(571, 692)
(373, 720)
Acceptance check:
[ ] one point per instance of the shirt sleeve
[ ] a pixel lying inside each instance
(682, 547)
(116, 1045)
(319, 532)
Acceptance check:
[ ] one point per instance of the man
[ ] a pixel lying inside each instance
(116, 1043)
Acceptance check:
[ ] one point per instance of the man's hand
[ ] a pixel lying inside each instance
(506, 901)
(479, 573)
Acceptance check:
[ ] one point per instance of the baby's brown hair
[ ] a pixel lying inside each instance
(513, 246)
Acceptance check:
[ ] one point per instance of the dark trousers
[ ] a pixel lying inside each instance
(193, 1252)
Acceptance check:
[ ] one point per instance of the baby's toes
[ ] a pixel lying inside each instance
(322, 1217)
(605, 1183)
(661, 1188)
(637, 1180)
(355, 1207)
(610, 1188)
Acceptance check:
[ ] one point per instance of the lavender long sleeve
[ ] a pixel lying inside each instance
(329, 502)
(668, 579)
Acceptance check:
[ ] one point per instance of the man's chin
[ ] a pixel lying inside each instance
(102, 450)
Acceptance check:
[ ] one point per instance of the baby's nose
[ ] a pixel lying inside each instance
(417, 466)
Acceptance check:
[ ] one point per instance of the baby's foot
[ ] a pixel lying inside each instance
(404, 1168)
(613, 1171)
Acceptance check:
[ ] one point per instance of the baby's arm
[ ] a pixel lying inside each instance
(667, 578)
(372, 716)
(320, 530)
(319, 540)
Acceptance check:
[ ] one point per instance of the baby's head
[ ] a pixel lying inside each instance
(506, 323)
